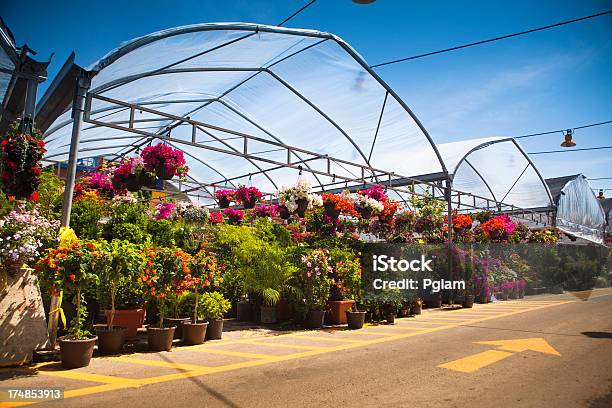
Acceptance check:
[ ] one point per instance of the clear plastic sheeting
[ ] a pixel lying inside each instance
(579, 213)
(497, 170)
(302, 88)
(6, 62)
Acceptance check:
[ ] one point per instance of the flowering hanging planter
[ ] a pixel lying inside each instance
(283, 212)
(248, 196)
(365, 213)
(224, 197)
(299, 198)
(20, 163)
(146, 178)
(165, 161)
(234, 217)
(330, 210)
(132, 183)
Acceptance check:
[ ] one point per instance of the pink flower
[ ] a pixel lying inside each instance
(309, 274)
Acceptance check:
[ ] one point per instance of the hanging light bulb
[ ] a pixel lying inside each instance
(568, 142)
(600, 196)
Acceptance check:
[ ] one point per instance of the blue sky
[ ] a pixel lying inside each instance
(543, 81)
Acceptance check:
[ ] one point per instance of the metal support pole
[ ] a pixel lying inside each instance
(77, 122)
(27, 121)
(78, 109)
(449, 204)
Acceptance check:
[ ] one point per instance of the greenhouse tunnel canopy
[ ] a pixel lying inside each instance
(302, 88)
(578, 211)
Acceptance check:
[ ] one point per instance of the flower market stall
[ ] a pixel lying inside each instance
(232, 182)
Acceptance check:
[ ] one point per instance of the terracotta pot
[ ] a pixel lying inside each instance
(315, 319)
(468, 302)
(355, 320)
(337, 311)
(244, 312)
(110, 341)
(390, 318)
(164, 173)
(146, 179)
(215, 329)
(416, 309)
(224, 202)
(76, 353)
(132, 183)
(366, 213)
(160, 339)
(194, 333)
(268, 314)
(302, 206)
(132, 319)
(330, 210)
(176, 322)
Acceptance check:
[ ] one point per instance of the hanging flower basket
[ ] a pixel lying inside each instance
(225, 197)
(248, 196)
(166, 161)
(330, 210)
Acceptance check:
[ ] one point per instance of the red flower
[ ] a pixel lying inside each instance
(34, 196)
(72, 277)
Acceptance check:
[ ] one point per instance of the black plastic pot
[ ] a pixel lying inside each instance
(315, 319)
(390, 317)
(194, 333)
(215, 329)
(76, 353)
(249, 204)
(146, 179)
(302, 206)
(111, 341)
(355, 320)
(132, 183)
(366, 213)
(176, 322)
(330, 210)
(163, 173)
(468, 302)
(244, 312)
(268, 314)
(224, 202)
(160, 339)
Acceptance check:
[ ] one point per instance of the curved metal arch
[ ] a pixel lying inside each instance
(482, 178)
(519, 148)
(255, 28)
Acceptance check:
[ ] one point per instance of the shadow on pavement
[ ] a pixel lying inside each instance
(598, 335)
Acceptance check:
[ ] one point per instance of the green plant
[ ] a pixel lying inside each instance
(314, 279)
(128, 221)
(162, 232)
(165, 274)
(86, 215)
(204, 275)
(269, 273)
(120, 267)
(214, 305)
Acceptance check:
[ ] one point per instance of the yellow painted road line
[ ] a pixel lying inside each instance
(474, 362)
(164, 364)
(233, 353)
(424, 322)
(312, 352)
(291, 346)
(334, 339)
(79, 375)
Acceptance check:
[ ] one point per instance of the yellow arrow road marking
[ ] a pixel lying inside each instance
(476, 361)
(534, 344)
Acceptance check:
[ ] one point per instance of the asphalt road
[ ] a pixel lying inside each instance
(405, 371)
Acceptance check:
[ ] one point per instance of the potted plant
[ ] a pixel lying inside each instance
(345, 281)
(176, 314)
(72, 267)
(20, 159)
(314, 276)
(126, 175)
(416, 307)
(267, 277)
(164, 275)
(391, 302)
(214, 307)
(204, 275)
(521, 283)
(234, 217)
(336, 204)
(248, 196)
(299, 198)
(225, 197)
(165, 161)
(121, 290)
(367, 206)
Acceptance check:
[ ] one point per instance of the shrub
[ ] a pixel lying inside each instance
(214, 305)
